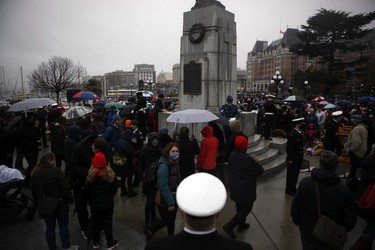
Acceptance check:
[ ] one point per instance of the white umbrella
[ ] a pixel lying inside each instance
(192, 116)
(31, 103)
(76, 112)
(330, 106)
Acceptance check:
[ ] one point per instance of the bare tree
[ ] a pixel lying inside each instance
(56, 75)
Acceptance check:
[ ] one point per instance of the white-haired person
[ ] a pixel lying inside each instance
(200, 197)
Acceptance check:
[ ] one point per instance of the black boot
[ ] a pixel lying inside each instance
(243, 227)
(228, 228)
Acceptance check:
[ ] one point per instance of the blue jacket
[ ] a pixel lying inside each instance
(111, 135)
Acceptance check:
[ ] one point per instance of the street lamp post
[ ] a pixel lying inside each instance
(277, 79)
(131, 89)
(306, 87)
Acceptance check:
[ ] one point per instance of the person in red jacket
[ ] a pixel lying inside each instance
(206, 161)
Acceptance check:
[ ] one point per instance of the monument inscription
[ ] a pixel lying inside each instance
(192, 78)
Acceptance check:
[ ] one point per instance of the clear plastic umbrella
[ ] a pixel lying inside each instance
(76, 112)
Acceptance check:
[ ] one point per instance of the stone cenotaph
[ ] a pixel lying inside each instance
(208, 57)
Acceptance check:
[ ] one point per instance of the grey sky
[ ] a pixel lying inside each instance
(109, 35)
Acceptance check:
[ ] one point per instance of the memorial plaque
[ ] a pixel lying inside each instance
(193, 78)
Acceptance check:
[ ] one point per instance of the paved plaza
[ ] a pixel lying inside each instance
(271, 225)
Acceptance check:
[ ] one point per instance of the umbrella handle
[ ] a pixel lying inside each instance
(175, 125)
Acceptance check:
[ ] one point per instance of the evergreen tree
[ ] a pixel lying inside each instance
(329, 32)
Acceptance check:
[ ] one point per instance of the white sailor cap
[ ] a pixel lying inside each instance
(201, 195)
(298, 119)
(337, 113)
(270, 96)
(54, 104)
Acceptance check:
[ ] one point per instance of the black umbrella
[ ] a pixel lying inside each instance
(128, 109)
(343, 103)
(99, 103)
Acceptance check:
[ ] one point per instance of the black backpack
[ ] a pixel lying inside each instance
(150, 173)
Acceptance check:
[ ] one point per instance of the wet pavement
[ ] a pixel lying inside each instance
(271, 226)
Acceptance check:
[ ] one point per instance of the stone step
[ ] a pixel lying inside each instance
(254, 140)
(278, 143)
(261, 148)
(267, 156)
(275, 166)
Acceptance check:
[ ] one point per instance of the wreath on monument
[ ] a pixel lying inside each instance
(196, 33)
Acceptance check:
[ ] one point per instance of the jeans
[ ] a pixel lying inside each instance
(62, 218)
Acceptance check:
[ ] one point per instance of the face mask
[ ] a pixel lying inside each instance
(155, 142)
(174, 156)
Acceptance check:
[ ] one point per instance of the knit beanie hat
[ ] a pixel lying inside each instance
(163, 130)
(241, 143)
(229, 98)
(328, 160)
(128, 123)
(99, 160)
(116, 117)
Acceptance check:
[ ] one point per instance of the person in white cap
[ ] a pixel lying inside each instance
(331, 140)
(200, 197)
(294, 155)
(269, 116)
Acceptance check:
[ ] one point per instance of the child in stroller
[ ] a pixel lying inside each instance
(13, 200)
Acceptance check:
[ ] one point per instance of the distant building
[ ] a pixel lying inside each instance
(164, 77)
(264, 60)
(176, 73)
(144, 72)
(241, 80)
(118, 79)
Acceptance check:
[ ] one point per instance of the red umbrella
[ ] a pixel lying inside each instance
(86, 95)
(318, 99)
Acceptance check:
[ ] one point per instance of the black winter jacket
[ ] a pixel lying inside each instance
(50, 181)
(81, 160)
(100, 194)
(337, 202)
(188, 150)
(243, 172)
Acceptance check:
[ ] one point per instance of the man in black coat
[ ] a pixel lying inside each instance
(269, 117)
(336, 201)
(294, 155)
(189, 147)
(243, 171)
(200, 196)
(331, 139)
(80, 164)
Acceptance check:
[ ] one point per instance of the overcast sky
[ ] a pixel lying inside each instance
(108, 35)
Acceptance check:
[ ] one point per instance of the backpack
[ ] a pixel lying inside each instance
(150, 173)
(117, 159)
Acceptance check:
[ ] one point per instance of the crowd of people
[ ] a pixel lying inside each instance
(127, 150)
